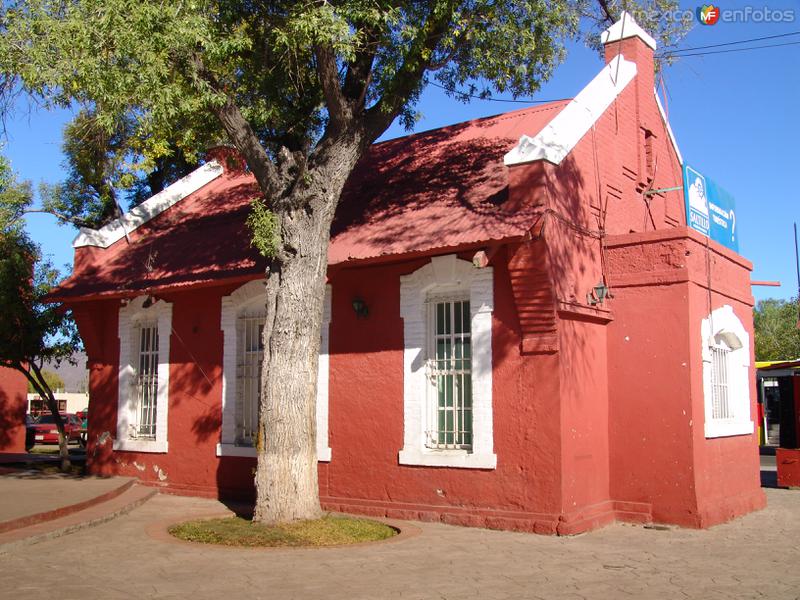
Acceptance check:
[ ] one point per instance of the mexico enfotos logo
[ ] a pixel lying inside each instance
(711, 14)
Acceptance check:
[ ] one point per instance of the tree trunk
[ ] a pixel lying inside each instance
(287, 487)
(37, 380)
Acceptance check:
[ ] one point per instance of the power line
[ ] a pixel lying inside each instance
(758, 39)
(731, 50)
(466, 95)
(676, 53)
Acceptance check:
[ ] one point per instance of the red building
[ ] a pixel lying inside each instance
(13, 405)
(468, 372)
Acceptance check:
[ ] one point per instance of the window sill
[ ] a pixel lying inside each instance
(715, 429)
(250, 452)
(132, 445)
(460, 459)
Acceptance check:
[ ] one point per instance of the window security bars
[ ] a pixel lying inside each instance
(449, 368)
(720, 408)
(250, 358)
(146, 382)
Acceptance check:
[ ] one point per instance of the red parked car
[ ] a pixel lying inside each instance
(44, 431)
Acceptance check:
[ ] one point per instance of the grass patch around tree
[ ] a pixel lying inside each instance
(330, 530)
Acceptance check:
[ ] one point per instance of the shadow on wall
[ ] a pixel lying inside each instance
(12, 422)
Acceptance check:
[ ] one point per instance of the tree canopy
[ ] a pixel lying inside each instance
(155, 74)
(106, 170)
(31, 330)
(776, 328)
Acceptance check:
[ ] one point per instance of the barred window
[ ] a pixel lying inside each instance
(250, 356)
(727, 390)
(146, 381)
(720, 408)
(450, 373)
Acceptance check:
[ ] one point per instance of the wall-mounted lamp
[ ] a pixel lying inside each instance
(598, 294)
(360, 307)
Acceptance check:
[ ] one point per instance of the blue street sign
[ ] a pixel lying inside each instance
(710, 209)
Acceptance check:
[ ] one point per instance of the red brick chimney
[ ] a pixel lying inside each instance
(627, 38)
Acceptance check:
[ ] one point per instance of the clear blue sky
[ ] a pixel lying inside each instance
(735, 116)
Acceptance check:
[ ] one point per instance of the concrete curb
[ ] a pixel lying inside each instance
(97, 514)
(63, 511)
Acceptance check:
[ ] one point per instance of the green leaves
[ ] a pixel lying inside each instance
(30, 329)
(265, 228)
(777, 335)
(15, 198)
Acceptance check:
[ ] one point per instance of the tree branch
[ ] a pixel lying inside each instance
(409, 75)
(607, 11)
(339, 112)
(359, 71)
(75, 221)
(241, 134)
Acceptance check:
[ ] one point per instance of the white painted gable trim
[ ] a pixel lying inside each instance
(447, 274)
(723, 326)
(562, 134)
(247, 296)
(150, 208)
(626, 28)
(667, 125)
(128, 351)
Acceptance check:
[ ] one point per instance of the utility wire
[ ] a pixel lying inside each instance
(758, 39)
(465, 94)
(730, 50)
(674, 53)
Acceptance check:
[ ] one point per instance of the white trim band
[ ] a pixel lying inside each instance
(447, 274)
(566, 129)
(722, 326)
(126, 397)
(250, 296)
(150, 208)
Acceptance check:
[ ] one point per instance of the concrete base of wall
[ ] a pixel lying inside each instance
(586, 519)
(724, 510)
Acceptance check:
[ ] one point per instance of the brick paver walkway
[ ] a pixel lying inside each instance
(757, 556)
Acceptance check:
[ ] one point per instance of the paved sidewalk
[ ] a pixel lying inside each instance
(28, 493)
(753, 557)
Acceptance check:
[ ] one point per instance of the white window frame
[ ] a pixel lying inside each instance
(129, 317)
(723, 329)
(446, 275)
(240, 301)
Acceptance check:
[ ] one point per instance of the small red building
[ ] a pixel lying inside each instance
(468, 371)
(13, 405)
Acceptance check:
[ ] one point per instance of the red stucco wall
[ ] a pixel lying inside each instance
(13, 406)
(657, 409)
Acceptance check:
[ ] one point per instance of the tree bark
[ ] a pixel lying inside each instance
(287, 487)
(40, 385)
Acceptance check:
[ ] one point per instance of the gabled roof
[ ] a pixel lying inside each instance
(437, 189)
